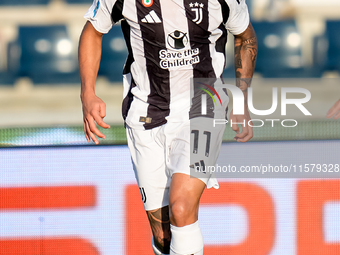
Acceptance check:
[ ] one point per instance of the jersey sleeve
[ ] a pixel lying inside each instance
(99, 15)
(238, 20)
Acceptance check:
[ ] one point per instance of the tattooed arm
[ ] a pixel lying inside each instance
(245, 58)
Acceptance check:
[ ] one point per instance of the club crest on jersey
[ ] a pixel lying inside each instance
(147, 3)
(198, 9)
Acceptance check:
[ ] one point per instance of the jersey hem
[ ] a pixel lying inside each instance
(94, 24)
(242, 29)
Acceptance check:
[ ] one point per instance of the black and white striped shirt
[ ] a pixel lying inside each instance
(169, 42)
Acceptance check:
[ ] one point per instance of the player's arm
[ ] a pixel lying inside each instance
(245, 59)
(334, 112)
(94, 109)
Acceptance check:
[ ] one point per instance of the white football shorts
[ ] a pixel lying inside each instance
(160, 152)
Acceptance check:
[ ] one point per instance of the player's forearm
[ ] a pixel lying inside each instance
(89, 58)
(245, 59)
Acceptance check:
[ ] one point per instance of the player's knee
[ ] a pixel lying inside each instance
(181, 211)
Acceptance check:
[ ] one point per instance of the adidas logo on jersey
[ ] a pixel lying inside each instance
(151, 18)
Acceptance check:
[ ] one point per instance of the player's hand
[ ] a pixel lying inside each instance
(247, 131)
(94, 110)
(334, 111)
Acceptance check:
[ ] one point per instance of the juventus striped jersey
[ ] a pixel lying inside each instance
(169, 43)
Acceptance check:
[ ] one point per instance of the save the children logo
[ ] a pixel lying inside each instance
(177, 39)
(176, 59)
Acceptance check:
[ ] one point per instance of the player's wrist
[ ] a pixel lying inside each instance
(87, 93)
